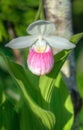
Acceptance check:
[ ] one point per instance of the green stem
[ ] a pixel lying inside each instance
(40, 14)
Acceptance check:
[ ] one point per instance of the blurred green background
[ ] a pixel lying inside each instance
(78, 27)
(15, 16)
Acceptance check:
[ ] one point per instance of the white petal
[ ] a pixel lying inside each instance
(21, 42)
(41, 27)
(59, 43)
(55, 50)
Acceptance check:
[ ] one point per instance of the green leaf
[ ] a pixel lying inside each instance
(37, 93)
(8, 117)
(46, 82)
(2, 94)
(45, 97)
(61, 105)
(30, 94)
(75, 38)
(56, 94)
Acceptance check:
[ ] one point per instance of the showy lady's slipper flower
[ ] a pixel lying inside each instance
(41, 42)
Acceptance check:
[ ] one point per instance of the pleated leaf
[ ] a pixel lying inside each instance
(17, 72)
(47, 104)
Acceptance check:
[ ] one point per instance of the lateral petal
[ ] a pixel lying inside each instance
(21, 42)
(59, 43)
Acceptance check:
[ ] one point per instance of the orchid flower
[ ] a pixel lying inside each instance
(41, 43)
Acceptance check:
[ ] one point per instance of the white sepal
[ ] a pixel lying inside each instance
(22, 42)
(59, 43)
(42, 27)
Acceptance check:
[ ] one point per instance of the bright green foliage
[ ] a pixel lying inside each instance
(39, 103)
(75, 38)
(41, 109)
(34, 103)
(3, 33)
(16, 15)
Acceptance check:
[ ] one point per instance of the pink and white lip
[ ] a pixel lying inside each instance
(41, 42)
(40, 63)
